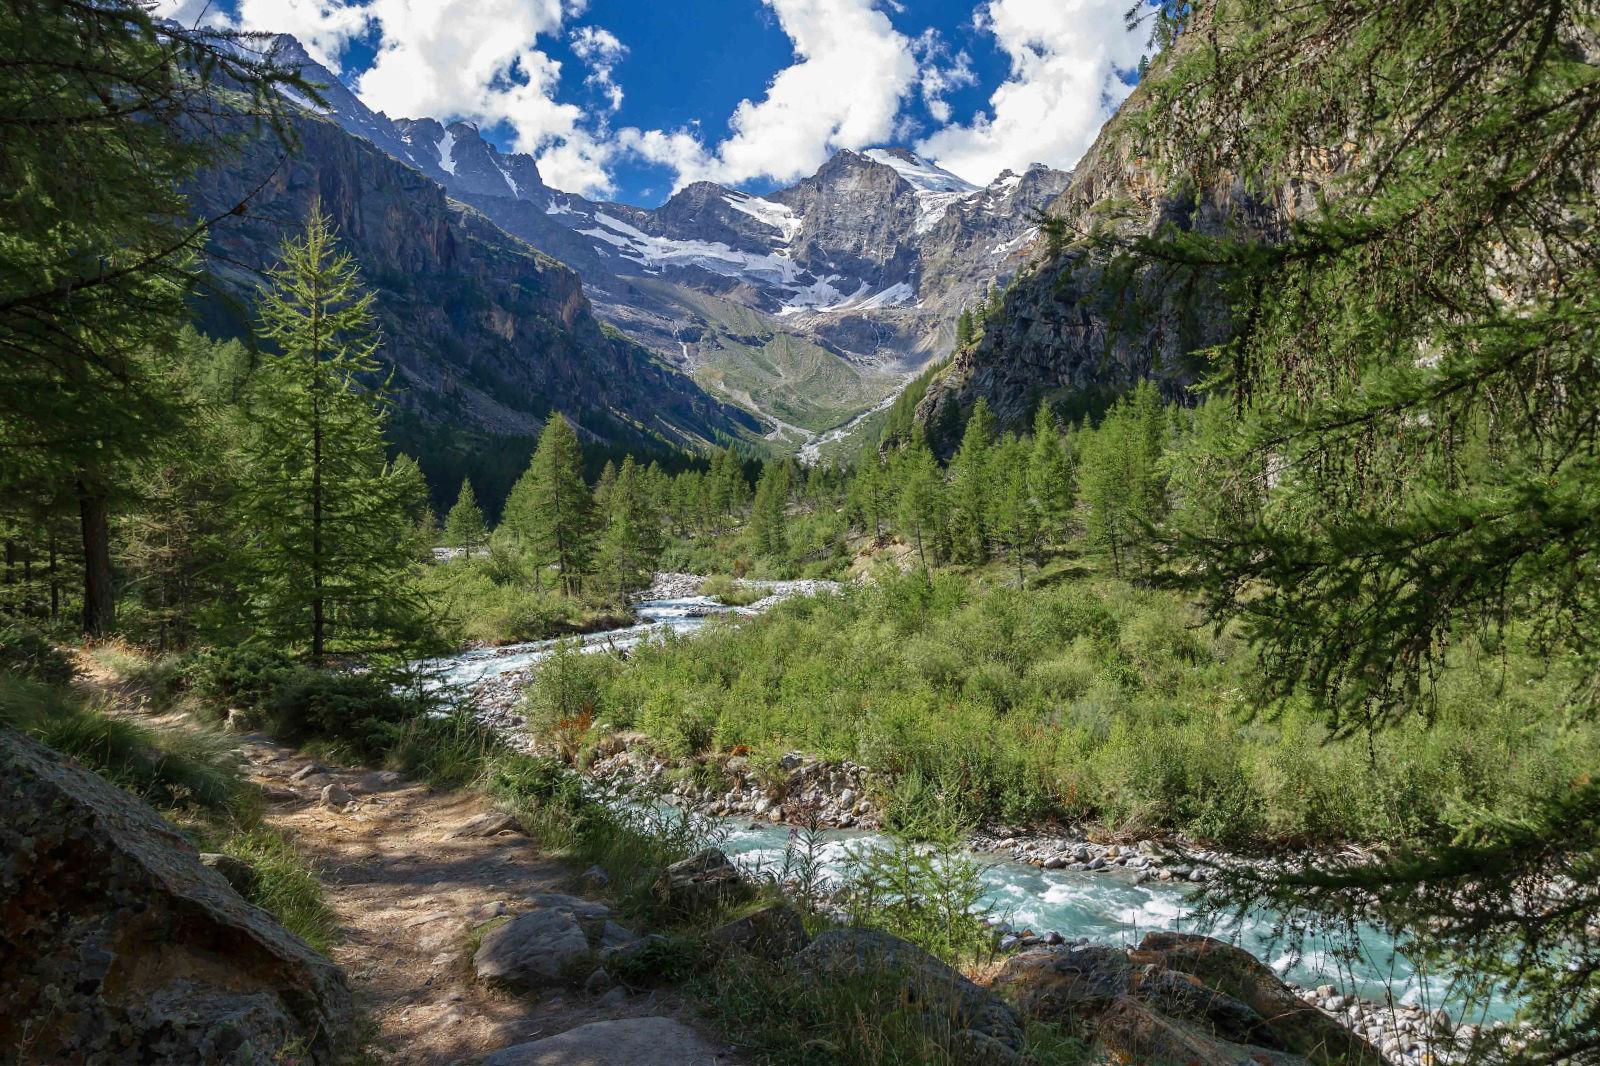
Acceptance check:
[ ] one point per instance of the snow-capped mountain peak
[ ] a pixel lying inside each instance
(922, 174)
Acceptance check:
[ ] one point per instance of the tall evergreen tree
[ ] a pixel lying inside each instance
(464, 526)
(920, 509)
(326, 521)
(107, 114)
(553, 508)
(1416, 456)
(1050, 476)
(1015, 515)
(970, 488)
(631, 539)
(768, 514)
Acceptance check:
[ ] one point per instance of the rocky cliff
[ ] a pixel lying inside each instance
(808, 304)
(483, 332)
(1068, 326)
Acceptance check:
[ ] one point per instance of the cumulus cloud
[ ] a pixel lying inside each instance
(478, 60)
(851, 73)
(602, 51)
(1065, 56)
(941, 73)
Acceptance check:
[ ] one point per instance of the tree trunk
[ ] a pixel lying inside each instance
(94, 512)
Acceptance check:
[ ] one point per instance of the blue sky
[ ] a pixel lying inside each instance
(628, 99)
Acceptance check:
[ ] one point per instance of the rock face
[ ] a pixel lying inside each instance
(702, 881)
(1063, 332)
(841, 282)
(118, 945)
(484, 332)
(1178, 997)
(626, 1042)
(870, 954)
(553, 944)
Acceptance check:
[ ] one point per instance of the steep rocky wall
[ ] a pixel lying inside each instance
(484, 332)
(1068, 326)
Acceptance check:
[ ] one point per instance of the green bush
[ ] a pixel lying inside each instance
(361, 713)
(242, 676)
(29, 653)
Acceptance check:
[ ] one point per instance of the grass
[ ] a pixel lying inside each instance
(493, 601)
(189, 776)
(1091, 700)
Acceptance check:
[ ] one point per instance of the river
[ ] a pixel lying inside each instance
(1103, 905)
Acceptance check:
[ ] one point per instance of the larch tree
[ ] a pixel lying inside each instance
(1414, 459)
(107, 112)
(326, 521)
(553, 507)
(464, 526)
(970, 489)
(1050, 475)
(768, 513)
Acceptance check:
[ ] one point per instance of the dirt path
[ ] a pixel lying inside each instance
(408, 890)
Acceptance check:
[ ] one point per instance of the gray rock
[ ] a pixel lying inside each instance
(701, 882)
(869, 953)
(772, 933)
(335, 795)
(622, 1042)
(972, 1048)
(596, 875)
(533, 950)
(308, 770)
(598, 983)
(120, 946)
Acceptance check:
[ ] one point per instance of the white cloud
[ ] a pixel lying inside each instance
(478, 60)
(940, 73)
(600, 49)
(851, 73)
(324, 27)
(1063, 85)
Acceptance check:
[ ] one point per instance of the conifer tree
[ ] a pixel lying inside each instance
(1121, 479)
(325, 518)
(1050, 475)
(964, 328)
(464, 525)
(602, 492)
(552, 508)
(870, 496)
(970, 489)
(768, 515)
(1016, 519)
(920, 509)
(631, 539)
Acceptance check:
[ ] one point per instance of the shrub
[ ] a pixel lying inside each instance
(360, 712)
(241, 676)
(29, 653)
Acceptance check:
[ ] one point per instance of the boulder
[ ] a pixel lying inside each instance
(1295, 1024)
(1066, 984)
(703, 881)
(1135, 1032)
(856, 954)
(335, 795)
(549, 945)
(119, 945)
(532, 950)
(624, 1042)
(772, 933)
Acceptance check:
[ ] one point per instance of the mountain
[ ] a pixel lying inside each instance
(1064, 334)
(808, 304)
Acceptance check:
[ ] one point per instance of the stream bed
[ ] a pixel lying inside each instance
(1105, 906)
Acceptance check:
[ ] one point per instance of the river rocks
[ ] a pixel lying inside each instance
(552, 944)
(118, 945)
(1237, 973)
(623, 1042)
(854, 954)
(703, 881)
(772, 933)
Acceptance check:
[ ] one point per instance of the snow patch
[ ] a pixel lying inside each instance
(936, 188)
(504, 173)
(447, 145)
(766, 212)
(557, 207)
